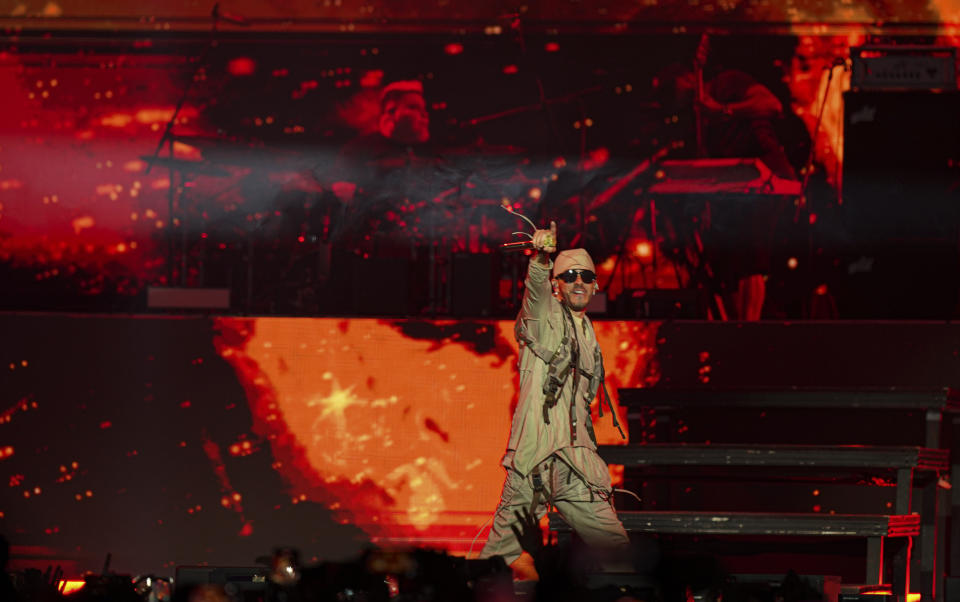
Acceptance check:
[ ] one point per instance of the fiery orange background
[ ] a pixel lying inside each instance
(401, 436)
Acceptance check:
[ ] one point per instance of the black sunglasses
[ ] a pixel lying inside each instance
(570, 276)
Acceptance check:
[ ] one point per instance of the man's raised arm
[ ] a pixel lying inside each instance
(536, 295)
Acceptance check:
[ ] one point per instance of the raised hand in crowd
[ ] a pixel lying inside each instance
(528, 533)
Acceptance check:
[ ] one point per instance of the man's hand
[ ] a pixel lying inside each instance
(545, 241)
(711, 105)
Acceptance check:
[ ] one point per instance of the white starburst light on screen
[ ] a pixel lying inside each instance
(330, 424)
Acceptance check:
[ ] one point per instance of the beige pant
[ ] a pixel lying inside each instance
(589, 512)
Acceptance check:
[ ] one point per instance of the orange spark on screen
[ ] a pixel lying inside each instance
(241, 66)
(244, 448)
(117, 120)
(230, 498)
(596, 157)
(149, 116)
(644, 250)
(792, 263)
(82, 223)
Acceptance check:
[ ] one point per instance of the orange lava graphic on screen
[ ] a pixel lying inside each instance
(399, 427)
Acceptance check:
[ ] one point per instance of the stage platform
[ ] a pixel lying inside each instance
(216, 438)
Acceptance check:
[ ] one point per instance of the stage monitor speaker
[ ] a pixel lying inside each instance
(951, 587)
(865, 593)
(239, 582)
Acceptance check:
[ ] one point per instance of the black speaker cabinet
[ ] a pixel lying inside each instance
(901, 203)
(900, 157)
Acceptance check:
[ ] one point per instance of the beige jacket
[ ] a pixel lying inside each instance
(541, 328)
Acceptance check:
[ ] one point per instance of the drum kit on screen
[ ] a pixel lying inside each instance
(269, 222)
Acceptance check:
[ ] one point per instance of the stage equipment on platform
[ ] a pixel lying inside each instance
(900, 152)
(723, 213)
(900, 180)
(108, 586)
(409, 574)
(905, 545)
(159, 297)
(285, 567)
(951, 586)
(865, 593)
(151, 588)
(904, 67)
(238, 582)
(791, 586)
(734, 177)
(183, 171)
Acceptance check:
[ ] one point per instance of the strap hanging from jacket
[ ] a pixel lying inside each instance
(604, 394)
(575, 364)
(616, 423)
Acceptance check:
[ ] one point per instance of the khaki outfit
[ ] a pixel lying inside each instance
(551, 439)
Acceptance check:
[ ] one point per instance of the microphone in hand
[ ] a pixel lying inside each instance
(541, 240)
(520, 245)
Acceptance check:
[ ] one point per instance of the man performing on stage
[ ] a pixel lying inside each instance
(552, 456)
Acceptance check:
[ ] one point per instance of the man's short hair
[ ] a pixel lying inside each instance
(392, 92)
